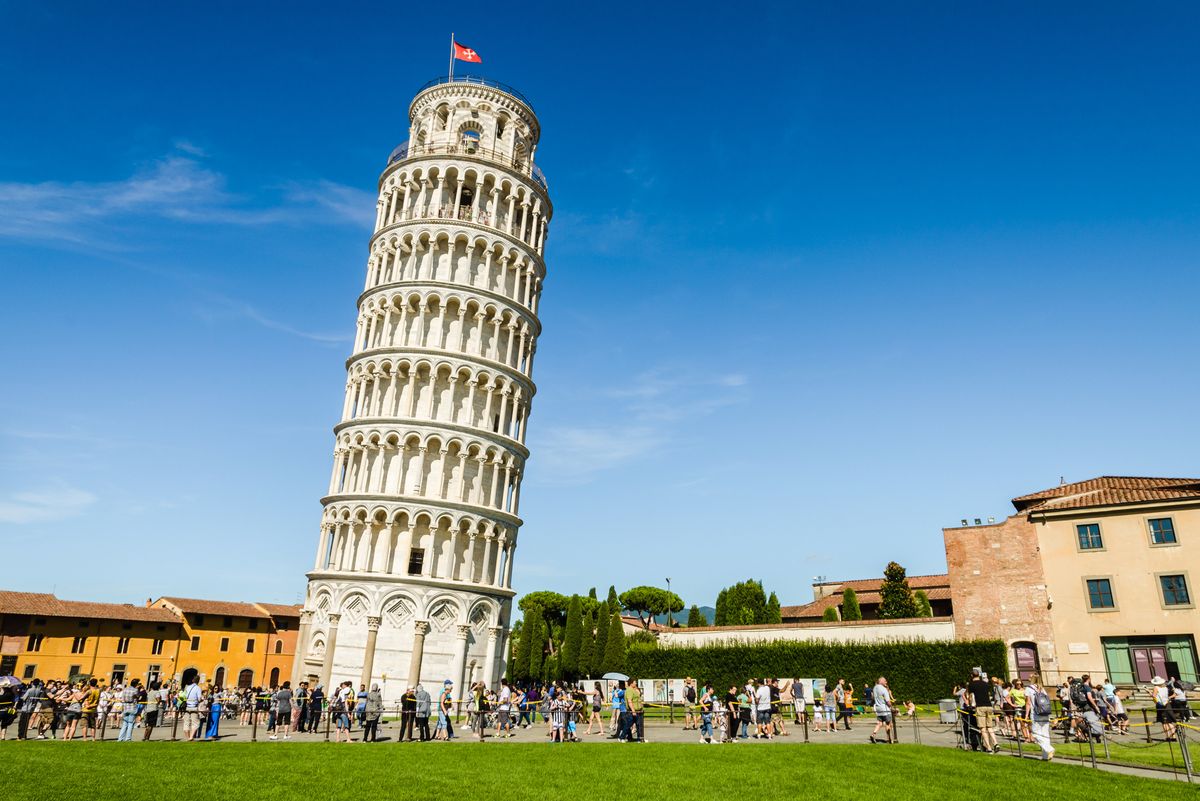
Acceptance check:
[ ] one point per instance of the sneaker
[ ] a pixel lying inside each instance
(872, 738)
(703, 740)
(272, 737)
(288, 737)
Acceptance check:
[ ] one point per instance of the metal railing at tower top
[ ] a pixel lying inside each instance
(521, 165)
(503, 87)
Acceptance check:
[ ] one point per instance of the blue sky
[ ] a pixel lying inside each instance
(822, 278)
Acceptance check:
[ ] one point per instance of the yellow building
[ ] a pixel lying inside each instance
(234, 644)
(1120, 555)
(44, 637)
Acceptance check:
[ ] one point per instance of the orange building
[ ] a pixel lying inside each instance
(234, 644)
(44, 637)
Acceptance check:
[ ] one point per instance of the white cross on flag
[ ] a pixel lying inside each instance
(466, 54)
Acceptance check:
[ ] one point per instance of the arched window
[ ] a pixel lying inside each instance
(219, 677)
(274, 677)
(443, 117)
(245, 679)
(279, 646)
(470, 140)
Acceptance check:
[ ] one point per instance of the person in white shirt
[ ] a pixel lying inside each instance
(191, 706)
(762, 704)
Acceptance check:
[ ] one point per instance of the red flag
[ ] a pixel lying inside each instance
(466, 54)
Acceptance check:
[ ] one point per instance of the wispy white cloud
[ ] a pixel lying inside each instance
(219, 307)
(651, 411)
(178, 187)
(43, 505)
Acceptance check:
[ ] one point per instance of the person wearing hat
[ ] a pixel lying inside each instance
(1162, 706)
(445, 729)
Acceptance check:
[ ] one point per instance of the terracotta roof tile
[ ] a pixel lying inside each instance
(817, 608)
(1109, 491)
(199, 606)
(48, 605)
(817, 624)
(280, 610)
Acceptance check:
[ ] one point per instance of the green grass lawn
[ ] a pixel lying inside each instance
(541, 772)
(1121, 751)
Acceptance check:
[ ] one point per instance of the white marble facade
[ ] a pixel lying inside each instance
(412, 579)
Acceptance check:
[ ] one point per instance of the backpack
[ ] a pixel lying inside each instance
(1079, 696)
(1042, 707)
(689, 694)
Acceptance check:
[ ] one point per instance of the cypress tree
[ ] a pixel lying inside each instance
(924, 608)
(695, 617)
(895, 597)
(537, 646)
(773, 610)
(850, 608)
(587, 646)
(520, 660)
(614, 603)
(614, 649)
(830, 614)
(568, 668)
(721, 617)
(603, 615)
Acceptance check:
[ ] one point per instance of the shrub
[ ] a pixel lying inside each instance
(850, 608)
(917, 670)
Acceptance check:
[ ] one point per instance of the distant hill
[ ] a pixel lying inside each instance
(681, 617)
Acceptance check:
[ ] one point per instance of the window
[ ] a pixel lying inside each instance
(1089, 536)
(153, 673)
(195, 643)
(157, 647)
(1162, 531)
(35, 642)
(29, 671)
(123, 645)
(74, 672)
(1100, 595)
(224, 643)
(1175, 591)
(79, 645)
(279, 646)
(249, 646)
(416, 558)
(118, 675)
(227, 622)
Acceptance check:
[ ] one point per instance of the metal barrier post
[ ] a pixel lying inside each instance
(254, 723)
(1092, 746)
(1146, 722)
(175, 726)
(1017, 734)
(894, 729)
(103, 724)
(671, 704)
(804, 719)
(328, 715)
(1183, 750)
(916, 728)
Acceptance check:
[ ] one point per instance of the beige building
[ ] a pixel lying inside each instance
(1089, 577)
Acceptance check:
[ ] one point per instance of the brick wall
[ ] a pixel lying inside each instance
(999, 588)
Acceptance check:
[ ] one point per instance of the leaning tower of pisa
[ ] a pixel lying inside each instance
(413, 574)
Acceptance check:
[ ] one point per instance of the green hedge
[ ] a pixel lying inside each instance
(917, 670)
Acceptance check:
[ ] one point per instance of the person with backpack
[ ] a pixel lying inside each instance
(689, 704)
(1039, 710)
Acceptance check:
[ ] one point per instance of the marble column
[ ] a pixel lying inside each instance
(369, 654)
(298, 665)
(330, 644)
(489, 662)
(460, 660)
(420, 629)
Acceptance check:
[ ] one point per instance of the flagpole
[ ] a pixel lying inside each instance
(452, 56)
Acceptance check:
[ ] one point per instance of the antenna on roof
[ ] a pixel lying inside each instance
(1062, 480)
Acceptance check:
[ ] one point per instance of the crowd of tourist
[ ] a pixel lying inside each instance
(988, 709)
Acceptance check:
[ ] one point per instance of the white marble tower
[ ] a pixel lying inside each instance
(412, 579)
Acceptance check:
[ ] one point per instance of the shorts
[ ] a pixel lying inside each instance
(193, 720)
(689, 708)
(1164, 714)
(89, 719)
(501, 717)
(70, 716)
(883, 717)
(764, 716)
(596, 708)
(150, 718)
(985, 717)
